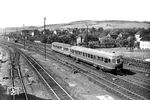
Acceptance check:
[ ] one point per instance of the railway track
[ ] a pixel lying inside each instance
(137, 65)
(59, 92)
(125, 93)
(122, 92)
(132, 68)
(138, 80)
(121, 82)
(15, 72)
(133, 64)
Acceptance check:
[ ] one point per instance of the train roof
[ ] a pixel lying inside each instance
(95, 52)
(61, 44)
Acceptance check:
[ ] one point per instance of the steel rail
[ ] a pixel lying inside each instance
(12, 56)
(60, 96)
(135, 94)
(130, 98)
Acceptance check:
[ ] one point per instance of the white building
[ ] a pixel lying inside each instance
(80, 40)
(138, 36)
(145, 42)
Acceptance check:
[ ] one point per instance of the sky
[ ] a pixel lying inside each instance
(15, 13)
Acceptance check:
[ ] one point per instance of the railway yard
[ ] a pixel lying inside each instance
(26, 74)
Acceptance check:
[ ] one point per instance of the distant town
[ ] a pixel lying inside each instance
(93, 34)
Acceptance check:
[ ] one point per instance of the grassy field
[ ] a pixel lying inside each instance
(106, 24)
(137, 54)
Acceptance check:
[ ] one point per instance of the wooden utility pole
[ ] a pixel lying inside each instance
(87, 36)
(23, 36)
(5, 34)
(45, 36)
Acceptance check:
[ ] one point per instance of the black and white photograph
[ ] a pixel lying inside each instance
(74, 50)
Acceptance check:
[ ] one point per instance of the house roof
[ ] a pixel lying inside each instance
(138, 33)
(114, 36)
(124, 34)
(146, 38)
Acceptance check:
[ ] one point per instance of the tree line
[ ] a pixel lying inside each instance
(93, 37)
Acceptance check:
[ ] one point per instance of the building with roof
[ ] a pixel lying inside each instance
(114, 36)
(145, 42)
(80, 38)
(138, 36)
(123, 35)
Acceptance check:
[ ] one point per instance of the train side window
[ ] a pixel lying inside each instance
(94, 57)
(77, 52)
(66, 49)
(72, 51)
(100, 58)
(89, 55)
(83, 54)
(106, 60)
(113, 61)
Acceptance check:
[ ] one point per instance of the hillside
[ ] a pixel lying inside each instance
(112, 24)
(108, 24)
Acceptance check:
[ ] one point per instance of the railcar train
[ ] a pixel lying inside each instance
(61, 48)
(100, 59)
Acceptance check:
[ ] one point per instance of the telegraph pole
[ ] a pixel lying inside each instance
(87, 36)
(17, 33)
(45, 37)
(5, 34)
(24, 36)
